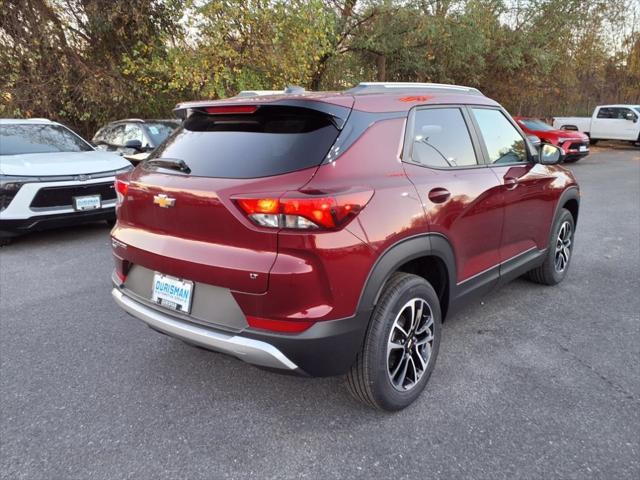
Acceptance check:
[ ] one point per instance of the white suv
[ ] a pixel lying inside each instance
(51, 177)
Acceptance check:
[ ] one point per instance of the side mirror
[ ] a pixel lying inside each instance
(550, 155)
(631, 116)
(134, 144)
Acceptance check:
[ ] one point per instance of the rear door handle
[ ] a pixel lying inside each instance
(439, 195)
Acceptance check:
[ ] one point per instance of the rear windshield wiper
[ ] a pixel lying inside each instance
(170, 163)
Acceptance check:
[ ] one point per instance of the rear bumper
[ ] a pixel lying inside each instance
(249, 350)
(327, 348)
(14, 227)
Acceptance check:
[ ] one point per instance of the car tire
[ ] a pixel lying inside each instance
(406, 323)
(4, 241)
(571, 160)
(560, 251)
(110, 223)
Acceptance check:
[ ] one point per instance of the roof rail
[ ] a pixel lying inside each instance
(381, 87)
(258, 93)
(294, 89)
(128, 120)
(290, 89)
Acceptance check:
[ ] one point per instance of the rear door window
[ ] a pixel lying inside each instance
(441, 139)
(271, 141)
(605, 113)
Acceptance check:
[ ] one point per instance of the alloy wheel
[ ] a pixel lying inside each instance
(409, 344)
(563, 247)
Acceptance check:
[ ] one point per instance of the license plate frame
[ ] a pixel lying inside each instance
(87, 202)
(172, 293)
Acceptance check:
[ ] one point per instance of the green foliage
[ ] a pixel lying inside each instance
(86, 62)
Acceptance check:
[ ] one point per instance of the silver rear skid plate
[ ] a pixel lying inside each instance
(246, 349)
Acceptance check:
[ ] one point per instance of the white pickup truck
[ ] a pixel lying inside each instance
(608, 122)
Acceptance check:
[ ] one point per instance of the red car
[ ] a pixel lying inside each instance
(575, 145)
(331, 233)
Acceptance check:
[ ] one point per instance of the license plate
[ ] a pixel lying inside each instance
(583, 148)
(88, 202)
(171, 292)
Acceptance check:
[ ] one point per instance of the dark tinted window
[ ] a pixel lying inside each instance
(605, 113)
(23, 138)
(504, 143)
(271, 141)
(441, 139)
(621, 113)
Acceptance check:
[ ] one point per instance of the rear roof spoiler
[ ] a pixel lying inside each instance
(338, 113)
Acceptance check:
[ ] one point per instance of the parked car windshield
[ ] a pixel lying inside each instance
(22, 138)
(538, 125)
(159, 131)
(272, 141)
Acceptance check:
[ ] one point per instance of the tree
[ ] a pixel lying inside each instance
(86, 62)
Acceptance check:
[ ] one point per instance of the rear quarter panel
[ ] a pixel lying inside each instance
(320, 276)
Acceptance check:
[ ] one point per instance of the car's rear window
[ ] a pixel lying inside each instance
(271, 141)
(20, 139)
(158, 131)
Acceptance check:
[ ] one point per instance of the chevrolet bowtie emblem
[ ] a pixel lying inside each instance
(164, 201)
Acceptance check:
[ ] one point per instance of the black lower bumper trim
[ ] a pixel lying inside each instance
(328, 348)
(14, 227)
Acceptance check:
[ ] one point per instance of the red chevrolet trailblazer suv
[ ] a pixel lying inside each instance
(331, 233)
(574, 145)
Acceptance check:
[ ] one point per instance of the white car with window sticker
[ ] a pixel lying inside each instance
(50, 177)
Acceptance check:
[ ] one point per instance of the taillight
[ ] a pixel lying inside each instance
(121, 190)
(302, 211)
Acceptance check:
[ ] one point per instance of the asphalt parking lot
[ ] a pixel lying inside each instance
(534, 382)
